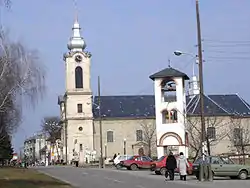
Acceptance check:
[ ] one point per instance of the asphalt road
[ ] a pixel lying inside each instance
(112, 178)
(109, 178)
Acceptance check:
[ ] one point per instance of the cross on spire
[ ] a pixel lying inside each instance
(76, 9)
(76, 42)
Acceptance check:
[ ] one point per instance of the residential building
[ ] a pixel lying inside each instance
(33, 147)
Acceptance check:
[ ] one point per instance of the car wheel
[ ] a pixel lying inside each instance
(118, 166)
(163, 171)
(243, 175)
(197, 175)
(157, 172)
(134, 167)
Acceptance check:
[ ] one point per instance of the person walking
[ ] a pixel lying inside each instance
(171, 165)
(183, 165)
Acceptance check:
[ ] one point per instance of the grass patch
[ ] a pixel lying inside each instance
(28, 178)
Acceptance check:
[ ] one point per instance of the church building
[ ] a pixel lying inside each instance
(136, 124)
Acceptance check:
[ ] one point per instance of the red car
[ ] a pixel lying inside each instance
(160, 166)
(137, 162)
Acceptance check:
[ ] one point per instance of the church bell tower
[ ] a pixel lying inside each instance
(78, 98)
(170, 111)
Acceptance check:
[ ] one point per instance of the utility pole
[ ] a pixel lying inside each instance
(66, 128)
(205, 170)
(203, 129)
(100, 122)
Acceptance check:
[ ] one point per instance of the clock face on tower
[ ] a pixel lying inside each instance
(78, 58)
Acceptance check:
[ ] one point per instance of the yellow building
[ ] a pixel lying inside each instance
(128, 122)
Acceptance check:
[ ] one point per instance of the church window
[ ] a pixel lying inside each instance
(110, 136)
(139, 135)
(173, 116)
(80, 147)
(78, 77)
(165, 117)
(80, 128)
(79, 108)
(211, 133)
(169, 116)
(168, 89)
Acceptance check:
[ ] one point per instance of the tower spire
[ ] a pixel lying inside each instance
(76, 42)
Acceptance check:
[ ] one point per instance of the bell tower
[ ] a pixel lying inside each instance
(170, 111)
(78, 98)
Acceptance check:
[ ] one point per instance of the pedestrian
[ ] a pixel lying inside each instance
(183, 165)
(114, 156)
(171, 165)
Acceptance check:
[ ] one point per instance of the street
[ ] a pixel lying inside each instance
(107, 178)
(112, 178)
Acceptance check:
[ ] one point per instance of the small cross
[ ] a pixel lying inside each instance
(76, 10)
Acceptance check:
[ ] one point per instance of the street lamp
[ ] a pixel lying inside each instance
(201, 92)
(203, 169)
(124, 145)
(180, 53)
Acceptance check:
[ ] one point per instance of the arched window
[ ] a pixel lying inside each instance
(165, 117)
(173, 116)
(78, 77)
(169, 116)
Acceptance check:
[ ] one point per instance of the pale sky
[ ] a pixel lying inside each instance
(130, 40)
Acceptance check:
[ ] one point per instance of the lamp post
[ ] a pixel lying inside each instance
(65, 128)
(100, 122)
(105, 155)
(205, 170)
(124, 146)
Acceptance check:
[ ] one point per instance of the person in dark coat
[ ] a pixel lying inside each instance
(171, 165)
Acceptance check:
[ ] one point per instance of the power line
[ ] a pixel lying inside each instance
(227, 46)
(227, 41)
(237, 58)
(227, 52)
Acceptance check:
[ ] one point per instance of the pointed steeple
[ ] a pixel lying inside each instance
(76, 42)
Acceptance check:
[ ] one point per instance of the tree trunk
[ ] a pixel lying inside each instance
(208, 147)
(196, 154)
(243, 152)
(149, 149)
(57, 150)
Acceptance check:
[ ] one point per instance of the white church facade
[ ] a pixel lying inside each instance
(154, 124)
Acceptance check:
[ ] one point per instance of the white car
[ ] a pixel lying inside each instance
(120, 158)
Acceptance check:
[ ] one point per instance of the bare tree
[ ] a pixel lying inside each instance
(149, 137)
(214, 133)
(22, 81)
(52, 128)
(239, 135)
(6, 3)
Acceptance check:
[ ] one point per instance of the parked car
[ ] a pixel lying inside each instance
(159, 166)
(120, 158)
(222, 168)
(137, 162)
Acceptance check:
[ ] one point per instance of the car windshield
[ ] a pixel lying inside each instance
(161, 158)
(198, 161)
(227, 160)
(130, 158)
